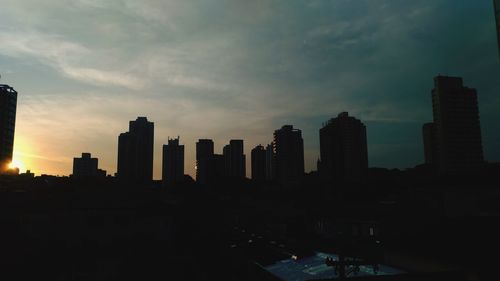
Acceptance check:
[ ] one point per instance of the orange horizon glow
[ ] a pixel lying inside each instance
(17, 164)
(21, 157)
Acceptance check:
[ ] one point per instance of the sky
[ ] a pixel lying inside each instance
(238, 69)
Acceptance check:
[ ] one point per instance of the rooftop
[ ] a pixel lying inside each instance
(314, 267)
(7, 89)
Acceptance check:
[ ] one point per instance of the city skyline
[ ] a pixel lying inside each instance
(70, 94)
(290, 140)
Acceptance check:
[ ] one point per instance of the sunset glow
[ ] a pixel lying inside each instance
(24, 156)
(17, 164)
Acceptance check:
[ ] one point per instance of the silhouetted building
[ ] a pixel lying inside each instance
(270, 163)
(127, 146)
(135, 152)
(212, 169)
(204, 152)
(173, 162)
(289, 155)
(85, 167)
(455, 143)
(217, 168)
(8, 104)
(28, 174)
(496, 4)
(226, 153)
(234, 159)
(203, 168)
(343, 150)
(259, 163)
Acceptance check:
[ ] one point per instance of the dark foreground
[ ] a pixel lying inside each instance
(59, 229)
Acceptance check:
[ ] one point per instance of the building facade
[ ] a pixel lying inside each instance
(173, 162)
(454, 142)
(8, 104)
(135, 152)
(235, 160)
(204, 154)
(217, 169)
(343, 150)
(86, 167)
(259, 163)
(288, 147)
(270, 163)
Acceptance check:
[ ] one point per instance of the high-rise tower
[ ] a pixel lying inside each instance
(173, 162)
(135, 152)
(454, 139)
(343, 149)
(289, 155)
(8, 104)
(204, 154)
(270, 163)
(235, 159)
(259, 163)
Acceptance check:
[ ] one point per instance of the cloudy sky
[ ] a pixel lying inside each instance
(226, 69)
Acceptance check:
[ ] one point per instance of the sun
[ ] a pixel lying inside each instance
(16, 164)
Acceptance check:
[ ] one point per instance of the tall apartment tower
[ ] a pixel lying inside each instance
(235, 159)
(173, 162)
(259, 163)
(496, 5)
(343, 150)
(289, 155)
(135, 152)
(8, 104)
(270, 163)
(226, 154)
(204, 154)
(453, 142)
